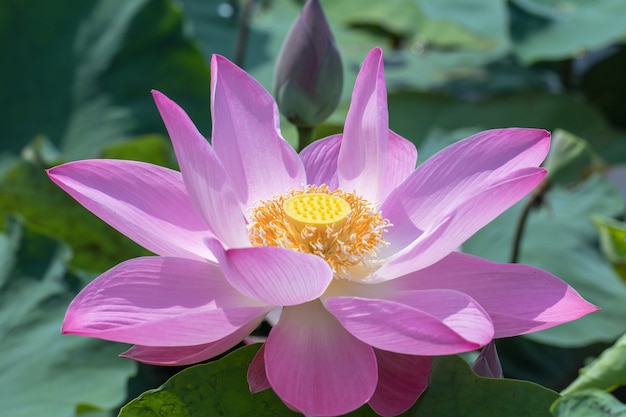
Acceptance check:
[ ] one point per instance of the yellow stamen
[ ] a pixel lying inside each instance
(340, 227)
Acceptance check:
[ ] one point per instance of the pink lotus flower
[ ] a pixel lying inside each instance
(355, 244)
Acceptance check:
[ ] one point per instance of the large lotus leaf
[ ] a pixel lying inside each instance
(220, 388)
(474, 25)
(216, 388)
(549, 9)
(43, 372)
(427, 43)
(456, 391)
(588, 403)
(214, 23)
(81, 72)
(560, 237)
(577, 26)
(398, 17)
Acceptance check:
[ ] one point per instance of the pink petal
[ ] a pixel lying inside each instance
(487, 364)
(273, 275)
(401, 380)
(147, 203)
(467, 218)
(204, 176)
(320, 161)
(458, 173)
(246, 135)
(157, 301)
(429, 322)
(519, 298)
(257, 378)
(362, 160)
(187, 355)
(401, 160)
(317, 367)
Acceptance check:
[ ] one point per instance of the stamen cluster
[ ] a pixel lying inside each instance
(346, 244)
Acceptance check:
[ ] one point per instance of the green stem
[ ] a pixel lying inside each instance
(243, 30)
(535, 200)
(305, 137)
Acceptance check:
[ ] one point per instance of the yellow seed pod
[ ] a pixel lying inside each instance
(316, 209)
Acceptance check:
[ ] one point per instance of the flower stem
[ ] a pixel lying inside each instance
(534, 201)
(243, 30)
(305, 137)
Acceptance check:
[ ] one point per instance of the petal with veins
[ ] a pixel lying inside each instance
(465, 220)
(401, 380)
(145, 202)
(246, 135)
(429, 322)
(158, 301)
(257, 378)
(460, 172)
(519, 298)
(209, 188)
(320, 161)
(187, 355)
(362, 159)
(317, 367)
(273, 275)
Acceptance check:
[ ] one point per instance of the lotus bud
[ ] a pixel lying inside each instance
(309, 76)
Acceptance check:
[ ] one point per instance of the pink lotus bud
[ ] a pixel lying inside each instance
(309, 76)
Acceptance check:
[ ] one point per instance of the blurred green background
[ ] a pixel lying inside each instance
(75, 81)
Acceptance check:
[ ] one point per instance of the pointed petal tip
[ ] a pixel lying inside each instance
(157, 95)
(215, 58)
(572, 306)
(376, 52)
(76, 330)
(219, 58)
(218, 61)
(55, 172)
(129, 355)
(533, 136)
(585, 307)
(68, 327)
(374, 59)
(162, 101)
